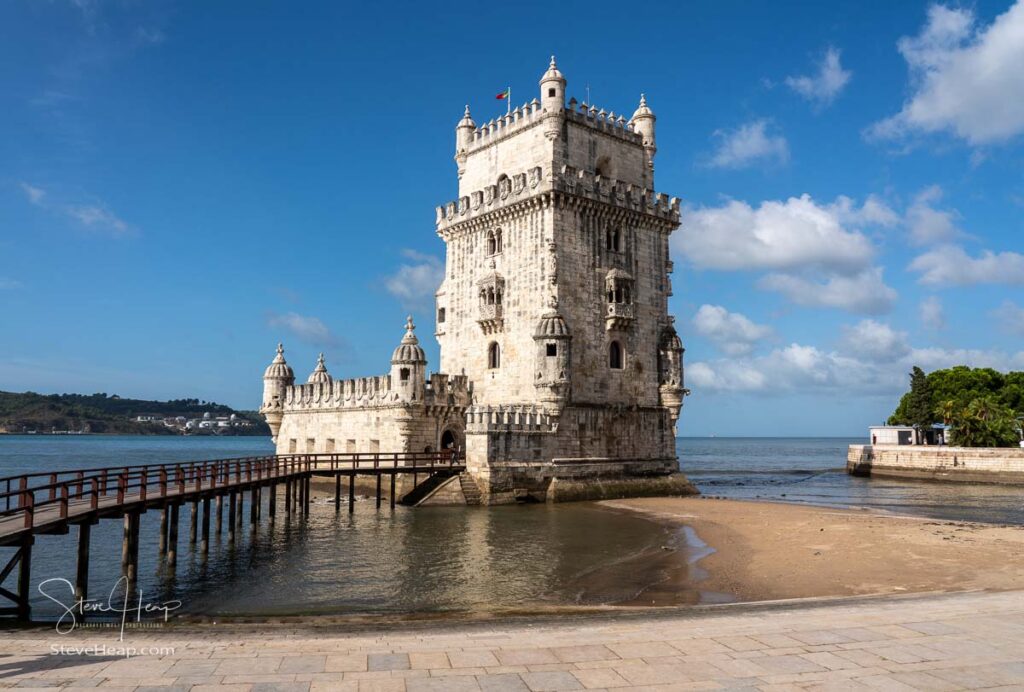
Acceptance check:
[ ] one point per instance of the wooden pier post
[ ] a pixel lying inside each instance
(231, 517)
(132, 571)
(162, 542)
(25, 579)
(378, 490)
(393, 474)
(305, 505)
(337, 493)
(172, 537)
(272, 501)
(351, 492)
(300, 498)
(220, 512)
(252, 510)
(82, 573)
(288, 497)
(193, 529)
(241, 508)
(259, 501)
(204, 546)
(125, 545)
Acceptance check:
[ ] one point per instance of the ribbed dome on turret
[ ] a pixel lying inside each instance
(552, 74)
(551, 324)
(409, 350)
(642, 110)
(467, 120)
(279, 368)
(319, 374)
(670, 340)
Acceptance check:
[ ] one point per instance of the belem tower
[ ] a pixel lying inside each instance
(561, 373)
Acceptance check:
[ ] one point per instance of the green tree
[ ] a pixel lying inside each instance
(986, 423)
(920, 407)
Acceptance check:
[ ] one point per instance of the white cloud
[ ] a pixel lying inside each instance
(35, 194)
(871, 340)
(933, 315)
(94, 216)
(867, 366)
(1010, 317)
(777, 235)
(748, 144)
(950, 265)
(732, 332)
(308, 329)
(965, 79)
(862, 293)
(99, 218)
(928, 225)
(822, 88)
(414, 284)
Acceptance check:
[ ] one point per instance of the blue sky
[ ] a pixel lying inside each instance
(184, 184)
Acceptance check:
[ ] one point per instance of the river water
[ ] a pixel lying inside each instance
(456, 560)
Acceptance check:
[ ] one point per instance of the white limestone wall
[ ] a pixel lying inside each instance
(966, 464)
(384, 429)
(498, 154)
(525, 265)
(584, 147)
(584, 263)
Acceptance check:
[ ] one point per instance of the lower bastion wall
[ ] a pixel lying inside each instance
(585, 453)
(964, 464)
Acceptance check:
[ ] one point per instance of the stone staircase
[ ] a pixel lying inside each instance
(470, 489)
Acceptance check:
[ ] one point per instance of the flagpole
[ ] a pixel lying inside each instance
(508, 110)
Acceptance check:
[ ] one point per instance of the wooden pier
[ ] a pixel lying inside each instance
(50, 503)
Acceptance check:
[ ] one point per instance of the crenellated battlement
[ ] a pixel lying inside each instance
(581, 183)
(607, 122)
(495, 130)
(507, 418)
(369, 392)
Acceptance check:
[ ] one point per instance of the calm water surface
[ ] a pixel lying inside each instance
(439, 559)
(458, 559)
(813, 471)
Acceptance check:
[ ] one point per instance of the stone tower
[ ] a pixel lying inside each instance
(555, 296)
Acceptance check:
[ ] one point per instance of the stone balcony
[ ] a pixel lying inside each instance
(619, 316)
(491, 319)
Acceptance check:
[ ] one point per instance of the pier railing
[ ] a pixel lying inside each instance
(57, 493)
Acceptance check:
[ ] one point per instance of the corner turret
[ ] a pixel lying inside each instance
(670, 371)
(552, 89)
(408, 366)
(553, 342)
(643, 124)
(277, 377)
(463, 137)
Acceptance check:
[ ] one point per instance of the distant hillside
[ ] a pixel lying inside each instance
(102, 413)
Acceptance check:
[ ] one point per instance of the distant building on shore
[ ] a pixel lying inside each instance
(561, 370)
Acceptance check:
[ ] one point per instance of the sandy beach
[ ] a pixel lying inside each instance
(766, 551)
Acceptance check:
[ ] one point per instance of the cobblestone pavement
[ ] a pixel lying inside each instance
(934, 642)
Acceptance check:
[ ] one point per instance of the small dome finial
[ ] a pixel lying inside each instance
(409, 326)
(280, 348)
(467, 110)
(553, 62)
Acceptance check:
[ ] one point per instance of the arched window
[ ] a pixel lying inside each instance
(613, 239)
(403, 374)
(494, 356)
(494, 242)
(604, 167)
(440, 315)
(615, 356)
(552, 349)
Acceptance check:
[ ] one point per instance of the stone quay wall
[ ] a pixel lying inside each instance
(960, 464)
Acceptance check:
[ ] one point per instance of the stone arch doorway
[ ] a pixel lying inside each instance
(452, 439)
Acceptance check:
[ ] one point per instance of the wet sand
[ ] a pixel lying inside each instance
(766, 551)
